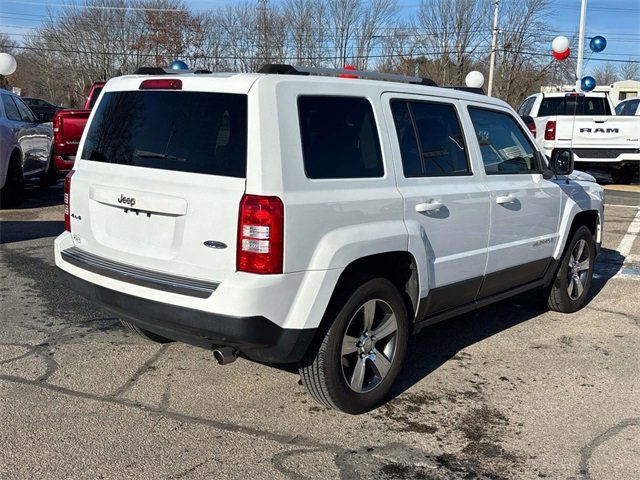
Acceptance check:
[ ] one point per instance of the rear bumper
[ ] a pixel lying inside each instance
(255, 337)
(64, 163)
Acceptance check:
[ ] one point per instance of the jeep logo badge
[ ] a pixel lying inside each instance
(127, 200)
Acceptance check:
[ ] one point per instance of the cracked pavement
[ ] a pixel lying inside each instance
(509, 391)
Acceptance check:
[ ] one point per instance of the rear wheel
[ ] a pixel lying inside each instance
(354, 362)
(12, 194)
(622, 175)
(144, 333)
(569, 291)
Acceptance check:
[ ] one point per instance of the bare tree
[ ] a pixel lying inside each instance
(450, 32)
(629, 71)
(605, 74)
(304, 20)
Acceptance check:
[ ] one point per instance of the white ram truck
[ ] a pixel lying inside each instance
(587, 124)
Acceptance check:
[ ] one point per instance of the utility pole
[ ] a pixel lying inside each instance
(583, 21)
(494, 41)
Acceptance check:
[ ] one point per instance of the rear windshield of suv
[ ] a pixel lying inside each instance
(193, 132)
(574, 106)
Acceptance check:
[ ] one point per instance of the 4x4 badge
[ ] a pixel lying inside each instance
(127, 200)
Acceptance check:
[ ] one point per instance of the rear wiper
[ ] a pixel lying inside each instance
(164, 156)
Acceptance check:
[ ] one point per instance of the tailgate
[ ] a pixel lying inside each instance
(159, 182)
(600, 132)
(68, 126)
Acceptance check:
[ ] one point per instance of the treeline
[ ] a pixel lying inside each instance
(440, 39)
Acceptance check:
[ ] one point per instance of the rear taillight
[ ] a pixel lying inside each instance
(161, 84)
(57, 129)
(550, 130)
(67, 201)
(532, 128)
(260, 235)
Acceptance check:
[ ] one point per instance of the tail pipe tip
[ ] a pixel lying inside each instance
(225, 355)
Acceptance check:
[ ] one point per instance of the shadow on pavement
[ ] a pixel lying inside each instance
(16, 231)
(435, 345)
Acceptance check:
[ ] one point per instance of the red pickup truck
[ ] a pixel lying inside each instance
(67, 130)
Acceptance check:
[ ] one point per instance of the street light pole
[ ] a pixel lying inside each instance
(494, 41)
(583, 21)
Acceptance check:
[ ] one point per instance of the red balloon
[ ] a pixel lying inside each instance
(562, 55)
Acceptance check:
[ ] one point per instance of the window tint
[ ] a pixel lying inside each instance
(25, 112)
(339, 138)
(504, 147)
(627, 108)
(185, 131)
(94, 97)
(409, 150)
(525, 108)
(10, 108)
(570, 105)
(430, 138)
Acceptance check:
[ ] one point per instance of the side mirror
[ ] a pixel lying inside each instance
(562, 162)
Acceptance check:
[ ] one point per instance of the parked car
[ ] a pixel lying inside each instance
(43, 110)
(68, 126)
(25, 144)
(289, 217)
(629, 107)
(585, 123)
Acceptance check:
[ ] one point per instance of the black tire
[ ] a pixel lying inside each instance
(323, 368)
(12, 194)
(623, 175)
(50, 175)
(144, 333)
(560, 298)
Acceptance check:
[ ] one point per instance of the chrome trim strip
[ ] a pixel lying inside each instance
(139, 276)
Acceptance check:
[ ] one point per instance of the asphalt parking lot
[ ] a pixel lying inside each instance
(510, 391)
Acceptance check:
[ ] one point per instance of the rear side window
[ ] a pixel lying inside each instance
(627, 108)
(10, 108)
(574, 105)
(94, 97)
(184, 131)
(339, 138)
(504, 146)
(525, 108)
(430, 138)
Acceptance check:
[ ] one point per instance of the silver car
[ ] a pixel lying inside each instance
(25, 147)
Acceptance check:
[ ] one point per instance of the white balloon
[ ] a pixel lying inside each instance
(8, 64)
(474, 79)
(560, 44)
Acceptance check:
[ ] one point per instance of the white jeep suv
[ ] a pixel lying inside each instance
(289, 217)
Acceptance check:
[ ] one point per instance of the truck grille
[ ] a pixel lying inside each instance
(602, 152)
(138, 276)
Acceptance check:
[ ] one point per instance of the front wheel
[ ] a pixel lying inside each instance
(569, 291)
(354, 362)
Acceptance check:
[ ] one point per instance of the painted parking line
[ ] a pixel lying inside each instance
(629, 269)
(621, 206)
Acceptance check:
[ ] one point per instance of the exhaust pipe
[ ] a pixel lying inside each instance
(225, 355)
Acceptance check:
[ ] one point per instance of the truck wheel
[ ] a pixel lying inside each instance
(12, 194)
(355, 360)
(570, 288)
(50, 175)
(622, 175)
(144, 333)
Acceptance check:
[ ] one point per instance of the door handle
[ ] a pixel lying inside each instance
(428, 206)
(502, 199)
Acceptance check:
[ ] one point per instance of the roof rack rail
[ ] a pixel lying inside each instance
(464, 88)
(284, 69)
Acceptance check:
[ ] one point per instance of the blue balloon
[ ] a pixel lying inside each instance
(178, 65)
(588, 83)
(598, 43)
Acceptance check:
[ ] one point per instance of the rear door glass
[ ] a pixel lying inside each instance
(184, 131)
(10, 108)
